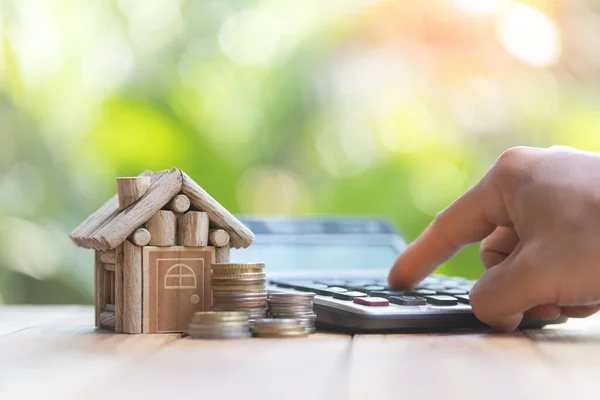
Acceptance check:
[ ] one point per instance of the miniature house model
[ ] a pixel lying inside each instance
(155, 243)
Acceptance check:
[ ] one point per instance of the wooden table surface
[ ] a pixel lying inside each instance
(49, 352)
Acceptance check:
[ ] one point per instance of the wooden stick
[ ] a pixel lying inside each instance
(127, 221)
(180, 204)
(109, 267)
(140, 237)
(132, 288)
(193, 229)
(82, 234)
(163, 228)
(108, 257)
(130, 190)
(98, 288)
(107, 319)
(222, 254)
(119, 288)
(218, 237)
(219, 217)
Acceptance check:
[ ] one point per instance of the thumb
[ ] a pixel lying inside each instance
(503, 293)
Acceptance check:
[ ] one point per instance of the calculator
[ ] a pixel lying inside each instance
(345, 262)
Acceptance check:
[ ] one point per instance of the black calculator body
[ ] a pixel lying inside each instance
(345, 261)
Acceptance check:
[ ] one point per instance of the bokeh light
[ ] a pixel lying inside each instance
(480, 7)
(377, 107)
(529, 35)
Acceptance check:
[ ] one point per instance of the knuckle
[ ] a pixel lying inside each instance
(513, 162)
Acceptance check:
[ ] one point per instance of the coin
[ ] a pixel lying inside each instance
(278, 328)
(291, 297)
(219, 316)
(272, 323)
(239, 288)
(239, 266)
(249, 275)
(233, 282)
(292, 333)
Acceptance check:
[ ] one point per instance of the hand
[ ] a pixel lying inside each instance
(538, 214)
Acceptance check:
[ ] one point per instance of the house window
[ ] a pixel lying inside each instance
(180, 276)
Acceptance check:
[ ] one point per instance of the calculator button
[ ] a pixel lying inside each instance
(336, 289)
(463, 298)
(360, 283)
(452, 292)
(373, 287)
(386, 293)
(408, 300)
(331, 282)
(372, 301)
(436, 287)
(349, 295)
(441, 300)
(306, 286)
(420, 292)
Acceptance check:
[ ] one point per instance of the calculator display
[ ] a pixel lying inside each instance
(314, 256)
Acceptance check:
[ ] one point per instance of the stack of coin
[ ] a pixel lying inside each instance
(219, 325)
(278, 328)
(294, 305)
(240, 287)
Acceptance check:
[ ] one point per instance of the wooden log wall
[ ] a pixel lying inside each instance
(132, 288)
(180, 204)
(222, 254)
(130, 190)
(163, 228)
(119, 288)
(98, 288)
(193, 229)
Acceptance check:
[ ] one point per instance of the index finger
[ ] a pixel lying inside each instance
(464, 222)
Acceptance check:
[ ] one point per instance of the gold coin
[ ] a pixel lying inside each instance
(238, 288)
(250, 275)
(225, 266)
(219, 316)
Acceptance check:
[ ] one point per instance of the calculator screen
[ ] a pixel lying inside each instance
(313, 257)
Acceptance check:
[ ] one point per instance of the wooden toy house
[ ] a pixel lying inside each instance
(155, 243)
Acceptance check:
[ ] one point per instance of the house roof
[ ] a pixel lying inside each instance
(108, 227)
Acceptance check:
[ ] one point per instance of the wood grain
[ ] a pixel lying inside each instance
(222, 254)
(219, 217)
(163, 228)
(218, 237)
(107, 319)
(180, 204)
(131, 189)
(83, 233)
(58, 349)
(132, 288)
(98, 287)
(141, 237)
(192, 229)
(119, 266)
(108, 257)
(109, 267)
(177, 283)
(118, 229)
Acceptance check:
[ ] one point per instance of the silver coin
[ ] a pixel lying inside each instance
(276, 323)
(291, 297)
(308, 314)
(222, 335)
(290, 309)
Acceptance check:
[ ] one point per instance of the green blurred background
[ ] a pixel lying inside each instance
(389, 108)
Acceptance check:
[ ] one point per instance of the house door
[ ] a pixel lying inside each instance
(177, 284)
